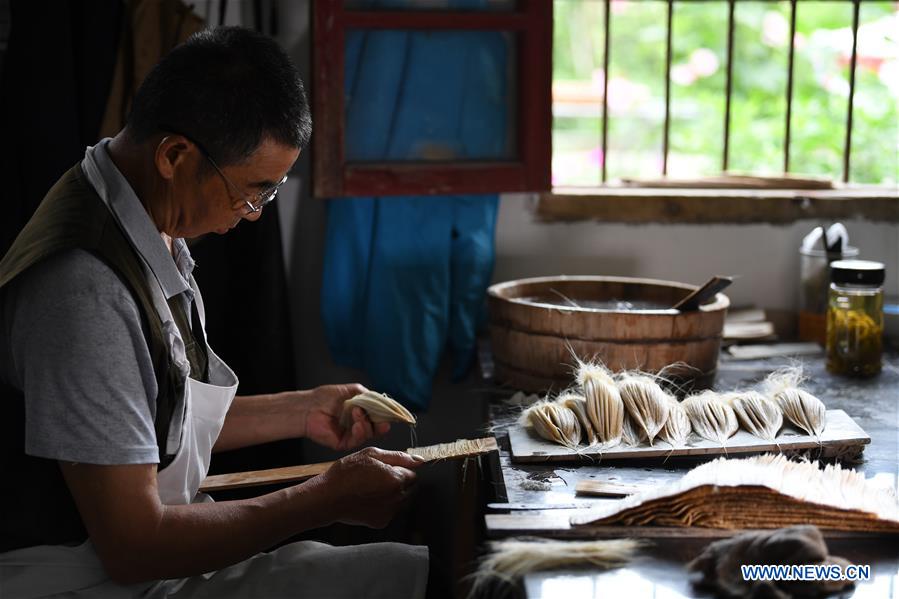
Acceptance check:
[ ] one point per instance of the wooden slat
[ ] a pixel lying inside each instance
(255, 478)
(636, 205)
(842, 436)
(290, 474)
(555, 523)
(601, 488)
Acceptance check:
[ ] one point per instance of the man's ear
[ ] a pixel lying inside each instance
(171, 153)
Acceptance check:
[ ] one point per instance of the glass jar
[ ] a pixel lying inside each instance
(855, 318)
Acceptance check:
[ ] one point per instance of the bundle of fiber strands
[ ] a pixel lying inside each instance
(761, 492)
(378, 406)
(718, 566)
(511, 559)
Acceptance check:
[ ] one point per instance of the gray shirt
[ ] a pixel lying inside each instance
(71, 339)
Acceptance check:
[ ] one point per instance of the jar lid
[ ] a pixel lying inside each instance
(857, 272)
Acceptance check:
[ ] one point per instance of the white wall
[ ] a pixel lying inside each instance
(764, 256)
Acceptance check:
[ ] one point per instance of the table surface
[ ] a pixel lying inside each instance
(659, 571)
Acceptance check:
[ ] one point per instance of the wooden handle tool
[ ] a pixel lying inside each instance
(707, 291)
(463, 448)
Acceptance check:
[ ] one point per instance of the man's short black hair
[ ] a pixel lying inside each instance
(226, 88)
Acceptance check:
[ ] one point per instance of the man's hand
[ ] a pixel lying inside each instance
(314, 414)
(369, 486)
(323, 408)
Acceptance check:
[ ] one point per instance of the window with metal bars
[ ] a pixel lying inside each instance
(695, 88)
(687, 88)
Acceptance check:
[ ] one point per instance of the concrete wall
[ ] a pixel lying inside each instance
(765, 257)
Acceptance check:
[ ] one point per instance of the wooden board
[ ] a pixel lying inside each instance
(842, 436)
(291, 474)
(255, 478)
(555, 524)
(601, 488)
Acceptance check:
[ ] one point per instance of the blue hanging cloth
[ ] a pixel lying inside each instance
(405, 277)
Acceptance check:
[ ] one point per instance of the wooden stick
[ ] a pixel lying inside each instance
(238, 480)
(599, 488)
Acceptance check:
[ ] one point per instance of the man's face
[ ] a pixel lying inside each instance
(220, 203)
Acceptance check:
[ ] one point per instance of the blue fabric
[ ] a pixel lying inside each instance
(405, 277)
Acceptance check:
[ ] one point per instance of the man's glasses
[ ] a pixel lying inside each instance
(254, 203)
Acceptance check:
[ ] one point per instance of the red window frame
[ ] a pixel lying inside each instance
(333, 176)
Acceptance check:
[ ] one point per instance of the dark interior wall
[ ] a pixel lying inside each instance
(457, 410)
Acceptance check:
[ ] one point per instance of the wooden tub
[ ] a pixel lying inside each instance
(536, 324)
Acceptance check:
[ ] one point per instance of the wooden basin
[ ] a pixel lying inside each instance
(536, 324)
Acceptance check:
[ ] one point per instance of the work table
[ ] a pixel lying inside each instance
(519, 508)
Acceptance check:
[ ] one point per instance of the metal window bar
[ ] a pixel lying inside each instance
(605, 90)
(731, 29)
(729, 83)
(665, 138)
(847, 149)
(790, 60)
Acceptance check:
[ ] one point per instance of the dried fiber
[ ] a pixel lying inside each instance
(604, 406)
(461, 448)
(511, 559)
(646, 403)
(379, 407)
(760, 492)
(554, 423)
(677, 428)
(758, 415)
(631, 435)
(711, 417)
(799, 406)
(578, 404)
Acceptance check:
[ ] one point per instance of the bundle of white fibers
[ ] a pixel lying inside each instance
(646, 403)
(511, 559)
(711, 416)
(799, 406)
(604, 406)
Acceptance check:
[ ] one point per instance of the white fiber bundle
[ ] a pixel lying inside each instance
(711, 417)
(554, 423)
(677, 428)
(646, 403)
(631, 434)
(758, 415)
(578, 404)
(604, 406)
(511, 559)
(775, 492)
(799, 406)
(379, 407)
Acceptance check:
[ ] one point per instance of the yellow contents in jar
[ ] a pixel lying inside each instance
(854, 334)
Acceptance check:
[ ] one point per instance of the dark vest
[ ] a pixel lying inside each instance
(36, 507)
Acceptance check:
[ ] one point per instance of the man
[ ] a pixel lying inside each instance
(112, 399)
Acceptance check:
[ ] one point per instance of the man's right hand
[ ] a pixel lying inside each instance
(369, 486)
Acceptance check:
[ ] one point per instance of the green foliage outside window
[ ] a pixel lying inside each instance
(823, 45)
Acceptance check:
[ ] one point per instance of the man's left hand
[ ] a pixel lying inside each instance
(323, 407)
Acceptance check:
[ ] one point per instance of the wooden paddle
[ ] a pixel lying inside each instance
(463, 448)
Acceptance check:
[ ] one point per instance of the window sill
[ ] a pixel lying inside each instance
(733, 206)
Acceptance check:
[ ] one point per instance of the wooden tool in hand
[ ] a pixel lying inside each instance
(463, 448)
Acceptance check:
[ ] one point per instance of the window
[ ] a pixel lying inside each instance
(346, 163)
(698, 88)
(694, 89)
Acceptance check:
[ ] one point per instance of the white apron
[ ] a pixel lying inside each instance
(303, 569)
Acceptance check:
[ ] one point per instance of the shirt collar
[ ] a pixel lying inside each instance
(171, 273)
